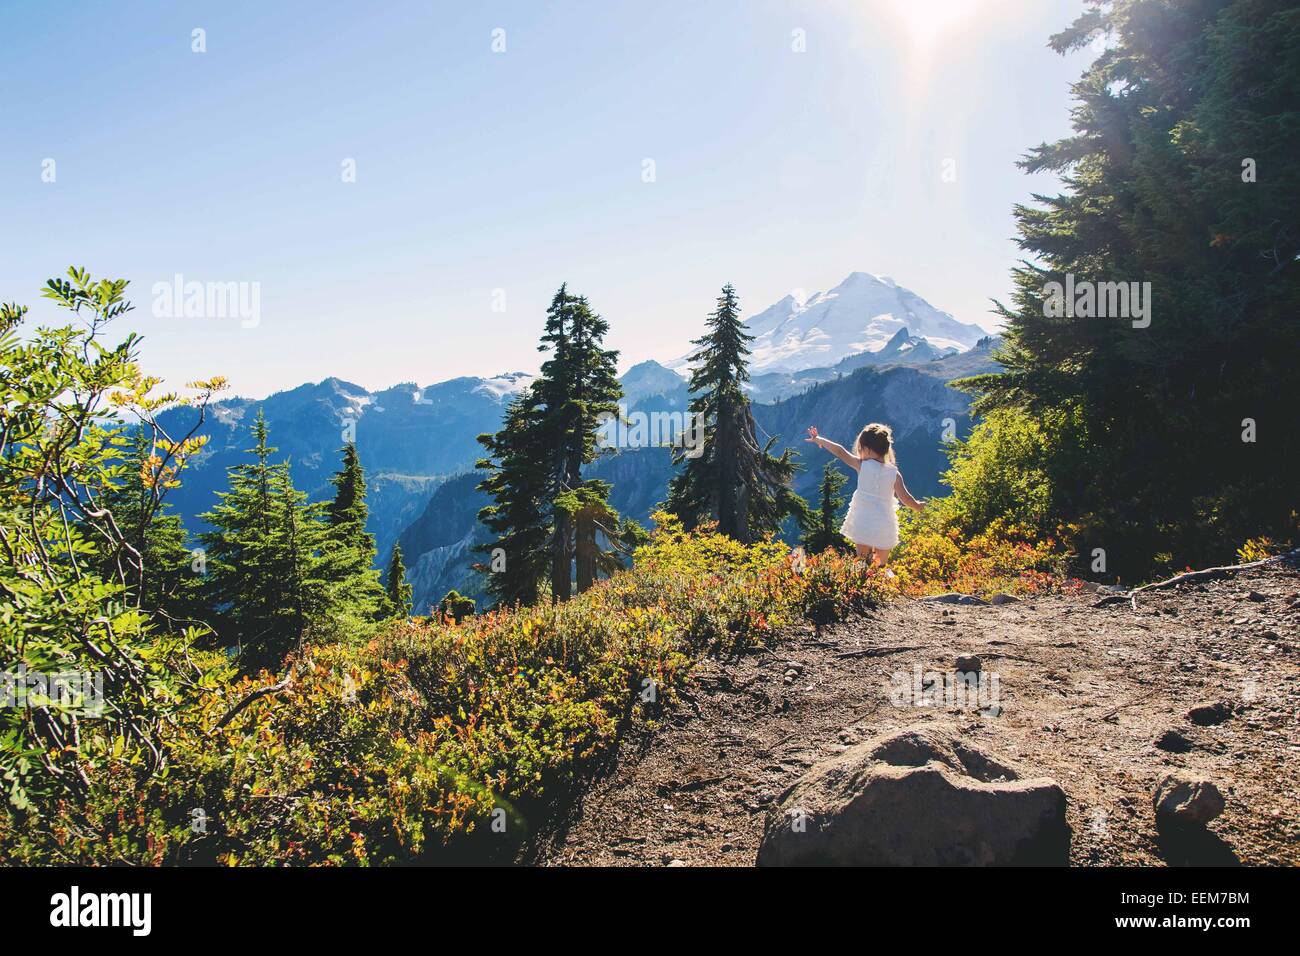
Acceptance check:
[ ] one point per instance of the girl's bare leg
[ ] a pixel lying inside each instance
(864, 551)
(879, 557)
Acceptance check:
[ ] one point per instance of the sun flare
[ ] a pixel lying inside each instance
(926, 22)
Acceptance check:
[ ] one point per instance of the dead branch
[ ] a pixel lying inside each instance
(255, 695)
(878, 651)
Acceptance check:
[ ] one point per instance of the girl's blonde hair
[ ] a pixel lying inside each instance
(879, 439)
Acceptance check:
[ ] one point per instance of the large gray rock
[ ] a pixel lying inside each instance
(919, 797)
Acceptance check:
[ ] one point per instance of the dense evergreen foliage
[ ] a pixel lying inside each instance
(350, 553)
(518, 483)
(1161, 444)
(542, 504)
(578, 385)
(735, 481)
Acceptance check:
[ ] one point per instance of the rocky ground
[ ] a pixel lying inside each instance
(1203, 678)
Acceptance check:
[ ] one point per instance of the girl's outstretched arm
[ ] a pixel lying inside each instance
(839, 451)
(905, 496)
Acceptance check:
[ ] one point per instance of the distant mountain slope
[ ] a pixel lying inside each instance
(861, 314)
(648, 379)
(408, 438)
(438, 546)
(903, 348)
(916, 405)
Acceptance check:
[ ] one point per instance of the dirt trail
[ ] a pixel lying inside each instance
(1085, 693)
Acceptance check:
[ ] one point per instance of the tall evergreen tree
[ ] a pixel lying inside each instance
(535, 462)
(577, 386)
(821, 527)
(734, 481)
(350, 557)
(518, 481)
(397, 590)
(1182, 172)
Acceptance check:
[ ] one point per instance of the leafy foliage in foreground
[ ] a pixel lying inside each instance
(413, 745)
(75, 599)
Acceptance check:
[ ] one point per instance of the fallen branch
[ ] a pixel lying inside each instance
(1188, 577)
(255, 695)
(878, 651)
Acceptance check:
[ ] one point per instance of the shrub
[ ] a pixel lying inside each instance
(405, 747)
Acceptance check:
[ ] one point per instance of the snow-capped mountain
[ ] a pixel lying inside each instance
(861, 314)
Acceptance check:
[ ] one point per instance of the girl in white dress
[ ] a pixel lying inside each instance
(872, 521)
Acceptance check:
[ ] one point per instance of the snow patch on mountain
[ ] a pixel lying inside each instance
(861, 314)
(503, 385)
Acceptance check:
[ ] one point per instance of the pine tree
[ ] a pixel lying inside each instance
(821, 527)
(396, 589)
(1182, 173)
(263, 555)
(350, 557)
(577, 386)
(535, 463)
(518, 481)
(734, 481)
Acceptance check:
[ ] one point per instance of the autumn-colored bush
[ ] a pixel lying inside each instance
(435, 737)
(934, 556)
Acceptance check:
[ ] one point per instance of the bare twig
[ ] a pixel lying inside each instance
(255, 695)
(878, 651)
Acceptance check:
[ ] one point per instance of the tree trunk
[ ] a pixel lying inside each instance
(585, 540)
(561, 558)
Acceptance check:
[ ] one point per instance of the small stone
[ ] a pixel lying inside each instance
(1186, 799)
(1256, 596)
(1004, 599)
(967, 664)
(1174, 742)
(1207, 715)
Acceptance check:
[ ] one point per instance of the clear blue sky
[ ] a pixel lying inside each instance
(477, 171)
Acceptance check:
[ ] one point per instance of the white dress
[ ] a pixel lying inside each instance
(873, 517)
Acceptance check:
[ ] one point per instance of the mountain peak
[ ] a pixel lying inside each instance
(868, 277)
(864, 313)
(901, 337)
